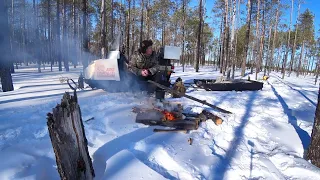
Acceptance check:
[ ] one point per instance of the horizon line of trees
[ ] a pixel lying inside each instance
(69, 32)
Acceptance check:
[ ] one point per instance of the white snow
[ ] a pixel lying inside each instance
(265, 138)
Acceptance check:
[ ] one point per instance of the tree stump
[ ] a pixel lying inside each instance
(313, 150)
(69, 142)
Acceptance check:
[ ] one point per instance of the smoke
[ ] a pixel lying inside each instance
(32, 39)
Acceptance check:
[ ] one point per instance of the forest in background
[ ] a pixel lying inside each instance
(240, 34)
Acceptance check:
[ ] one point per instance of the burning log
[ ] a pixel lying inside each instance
(175, 118)
(154, 117)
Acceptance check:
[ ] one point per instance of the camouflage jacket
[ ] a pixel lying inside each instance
(139, 62)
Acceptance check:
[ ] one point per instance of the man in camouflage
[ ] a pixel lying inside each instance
(144, 63)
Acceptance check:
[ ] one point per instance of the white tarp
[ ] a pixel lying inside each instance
(103, 69)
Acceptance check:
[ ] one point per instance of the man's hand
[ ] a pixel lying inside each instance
(144, 73)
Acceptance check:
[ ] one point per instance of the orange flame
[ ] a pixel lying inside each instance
(169, 116)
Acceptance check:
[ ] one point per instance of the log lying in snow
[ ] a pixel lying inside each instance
(69, 141)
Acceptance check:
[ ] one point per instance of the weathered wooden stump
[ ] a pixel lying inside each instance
(69, 141)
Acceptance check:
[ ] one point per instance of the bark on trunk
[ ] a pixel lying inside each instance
(221, 46)
(317, 71)
(5, 58)
(313, 150)
(199, 37)
(226, 37)
(49, 34)
(69, 141)
(183, 33)
(103, 30)
(59, 48)
(261, 47)
(232, 49)
(64, 37)
(257, 37)
(274, 38)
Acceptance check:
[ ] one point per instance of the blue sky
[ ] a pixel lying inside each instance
(312, 5)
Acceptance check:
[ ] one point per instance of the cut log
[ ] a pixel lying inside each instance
(68, 140)
(217, 120)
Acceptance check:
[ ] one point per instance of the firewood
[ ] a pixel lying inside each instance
(218, 121)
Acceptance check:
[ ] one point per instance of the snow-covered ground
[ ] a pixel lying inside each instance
(265, 138)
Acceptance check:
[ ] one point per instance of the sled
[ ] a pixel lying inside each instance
(228, 85)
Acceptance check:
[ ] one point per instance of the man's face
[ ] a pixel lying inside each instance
(149, 50)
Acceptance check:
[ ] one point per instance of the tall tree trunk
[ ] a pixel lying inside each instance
(141, 23)
(257, 36)
(225, 37)
(59, 49)
(288, 44)
(5, 58)
(148, 19)
(295, 41)
(183, 32)
(232, 49)
(64, 37)
(268, 51)
(300, 59)
(199, 37)
(274, 37)
(80, 37)
(133, 28)
(246, 43)
(112, 21)
(317, 70)
(24, 32)
(259, 62)
(163, 38)
(12, 33)
(75, 33)
(234, 65)
(103, 30)
(221, 45)
(128, 29)
(85, 60)
(35, 21)
(313, 150)
(49, 34)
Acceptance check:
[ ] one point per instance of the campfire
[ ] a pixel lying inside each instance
(172, 115)
(169, 116)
